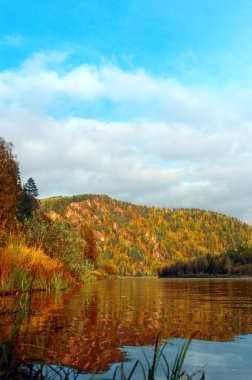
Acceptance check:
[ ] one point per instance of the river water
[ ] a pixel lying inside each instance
(100, 324)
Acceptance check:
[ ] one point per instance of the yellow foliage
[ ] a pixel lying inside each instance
(109, 267)
(139, 239)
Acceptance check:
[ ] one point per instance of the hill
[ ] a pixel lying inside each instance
(137, 240)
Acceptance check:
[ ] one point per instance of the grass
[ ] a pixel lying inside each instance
(159, 361)
(9, 367)
(23, 267)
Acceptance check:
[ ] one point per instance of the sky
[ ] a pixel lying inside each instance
(147, 101)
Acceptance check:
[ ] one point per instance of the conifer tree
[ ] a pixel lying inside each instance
(27, 201)
(31, 188)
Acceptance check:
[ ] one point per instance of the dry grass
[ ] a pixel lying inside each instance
(21, 266)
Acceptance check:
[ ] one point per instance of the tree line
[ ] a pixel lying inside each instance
(233, 262)
(17, 201)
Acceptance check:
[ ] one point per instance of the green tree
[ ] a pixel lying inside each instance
(27, 201)
(31, 188)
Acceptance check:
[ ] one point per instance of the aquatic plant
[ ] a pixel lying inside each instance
(9, 367)
(175, 372)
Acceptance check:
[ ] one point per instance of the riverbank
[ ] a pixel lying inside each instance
(25, 268)
(208, 276)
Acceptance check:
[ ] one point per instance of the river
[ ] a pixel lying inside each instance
(99, 324)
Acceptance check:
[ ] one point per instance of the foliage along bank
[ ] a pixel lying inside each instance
(36, 251)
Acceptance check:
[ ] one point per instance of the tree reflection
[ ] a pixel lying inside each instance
(87, 327)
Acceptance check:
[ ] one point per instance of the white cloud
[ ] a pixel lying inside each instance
(41, 81)
(180, 147)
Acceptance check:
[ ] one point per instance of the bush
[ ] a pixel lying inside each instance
(58, 240)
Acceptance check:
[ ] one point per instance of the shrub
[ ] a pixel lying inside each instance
(58, 240)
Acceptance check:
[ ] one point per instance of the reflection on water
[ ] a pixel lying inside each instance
(87, 326)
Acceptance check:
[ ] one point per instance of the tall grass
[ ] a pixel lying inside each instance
(159, 365)
(9, 367)
(22, 267)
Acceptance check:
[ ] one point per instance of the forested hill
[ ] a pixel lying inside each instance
(138, 239)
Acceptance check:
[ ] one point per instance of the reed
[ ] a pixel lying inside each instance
(159, 360)
(9, 366)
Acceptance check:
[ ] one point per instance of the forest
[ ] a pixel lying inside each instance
(54, 242)
(233, 262)
(140, 240)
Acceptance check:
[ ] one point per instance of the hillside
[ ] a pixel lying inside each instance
(134, 240)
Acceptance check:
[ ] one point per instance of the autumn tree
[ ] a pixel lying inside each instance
(91, 246)
(9, 189)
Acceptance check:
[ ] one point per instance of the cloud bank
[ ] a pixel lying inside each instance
(136, 137)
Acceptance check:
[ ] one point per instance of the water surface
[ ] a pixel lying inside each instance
(105, 322)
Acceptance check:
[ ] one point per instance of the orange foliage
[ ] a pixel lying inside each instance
(109, 267)
(33, 262)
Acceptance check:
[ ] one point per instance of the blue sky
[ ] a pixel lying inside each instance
(147, 101)
(201, 41)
